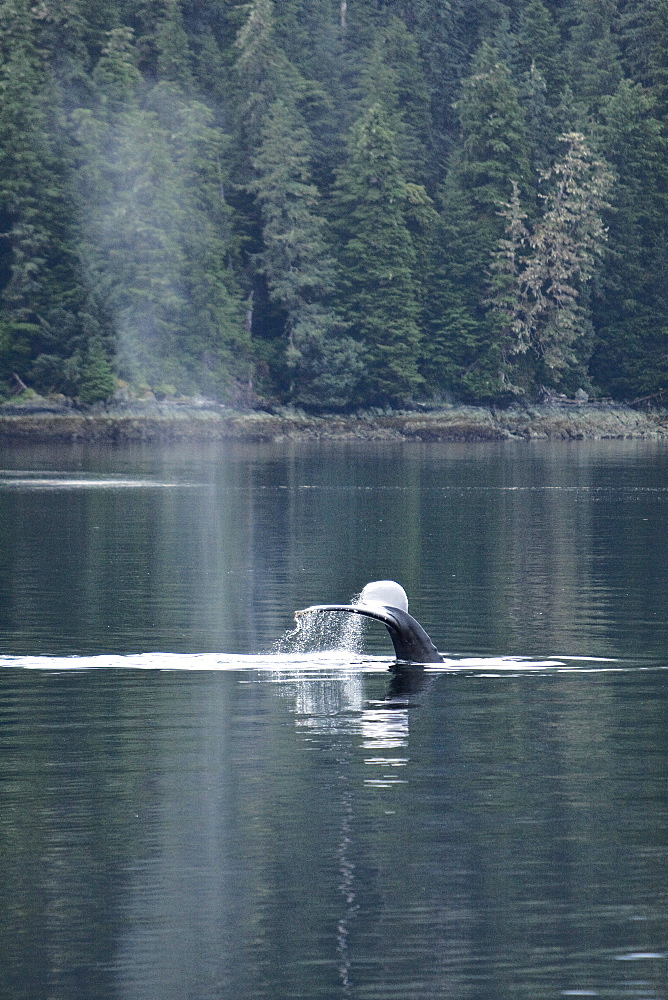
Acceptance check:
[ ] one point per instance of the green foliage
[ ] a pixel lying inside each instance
(494, 145)
(538, 45)
(537, 294)
(377, 259)
(297, 263)
(263, 70)
(457, 328)
(173, 57)
(334, 204)
(565, 245)
(541, 124)
(492, 153)
(97, 381)
(593, 55)
(116, 76)
(657, 52)
(509, 308)
(40, 288)
(393, 79)
(629, 308)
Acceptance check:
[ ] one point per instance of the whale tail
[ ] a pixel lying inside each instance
(411, 642)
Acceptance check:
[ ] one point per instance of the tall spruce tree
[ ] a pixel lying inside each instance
(637, 37)
(493, 151)
(593, 55)
(508, 306)
(630, 307)
(439, 28)
(494, 147)
(551, 317)
(538, 45)
(42, 295)
(456, 327)
(298, 265)
(393, 78)
(174, 61)
(378, 288)
(263, 70)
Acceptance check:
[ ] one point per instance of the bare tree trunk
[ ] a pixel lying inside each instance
(344, 11)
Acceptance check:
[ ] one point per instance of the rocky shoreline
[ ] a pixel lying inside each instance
(152, 421)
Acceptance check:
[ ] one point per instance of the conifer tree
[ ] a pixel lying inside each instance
(377, 286)
(493, 151)
(540, 120)
(637, 37)
(538, 45)
(297, 263)
(593, 54)
(97, 381)
(494, 147)
(508, 306)
(162, 47)
(66, 34)
(480, 20)
(309, 33)
(264, 72)
(211, 71)
(41, 292)
(657, 57)
(295, 259)
(565, 246)
(393, 78)
(174, 59)
(439, 28)
(630, 307)
(456, 328)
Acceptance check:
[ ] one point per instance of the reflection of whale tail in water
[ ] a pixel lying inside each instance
(386, 602)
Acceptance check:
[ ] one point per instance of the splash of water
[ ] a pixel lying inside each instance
(319, 632)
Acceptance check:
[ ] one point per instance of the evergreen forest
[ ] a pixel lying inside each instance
(334, 204)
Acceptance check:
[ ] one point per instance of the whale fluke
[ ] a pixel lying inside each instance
(411, 642)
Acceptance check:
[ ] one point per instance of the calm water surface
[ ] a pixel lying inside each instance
(196, 805)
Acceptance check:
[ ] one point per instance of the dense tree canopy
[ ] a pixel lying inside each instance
(334, 205)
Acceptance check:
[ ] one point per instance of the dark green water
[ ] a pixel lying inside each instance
(189, 811)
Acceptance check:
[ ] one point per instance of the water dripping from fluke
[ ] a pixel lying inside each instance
(316, 634)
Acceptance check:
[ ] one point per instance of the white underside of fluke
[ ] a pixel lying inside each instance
(387, 593)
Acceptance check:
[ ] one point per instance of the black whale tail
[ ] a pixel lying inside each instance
(411, 642)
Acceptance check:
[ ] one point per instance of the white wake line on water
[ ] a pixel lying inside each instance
(55, 483)
(198, 661)
(310, 664)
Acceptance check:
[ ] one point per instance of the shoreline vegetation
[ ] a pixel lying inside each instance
(41, 421)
